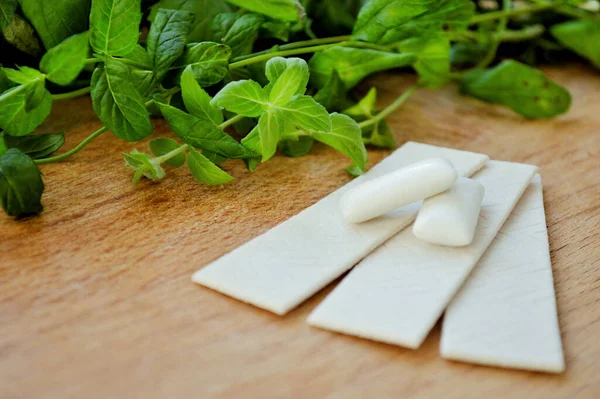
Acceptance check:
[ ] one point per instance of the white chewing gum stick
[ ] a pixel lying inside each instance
(394, 190)
(289, 263)
(398, 292)
(450, 218)
(505, 315)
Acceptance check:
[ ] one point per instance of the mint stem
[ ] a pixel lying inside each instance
(509, 35)
(268, 56)
(230, 122)
(164, 158)
(491, 16)
(390, 108)
(568, 10)
(296, 45)
(493, 50)
(295, 135)
(74, 150)
(540, 5)
(288, 50)
(72, 94)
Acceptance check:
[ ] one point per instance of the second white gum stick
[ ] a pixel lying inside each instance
(505, 314)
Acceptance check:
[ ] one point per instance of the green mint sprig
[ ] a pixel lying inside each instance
(226, 77)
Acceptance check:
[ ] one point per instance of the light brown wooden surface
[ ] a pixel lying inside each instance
(96, 299)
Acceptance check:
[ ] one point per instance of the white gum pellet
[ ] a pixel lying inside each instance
(399, 188)
(450, 218)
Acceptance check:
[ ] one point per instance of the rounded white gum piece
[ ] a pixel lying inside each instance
(450, 218)
(396, 189)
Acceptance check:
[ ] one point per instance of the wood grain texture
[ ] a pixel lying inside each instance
(96, 299)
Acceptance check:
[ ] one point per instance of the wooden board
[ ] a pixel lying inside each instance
(96, 299)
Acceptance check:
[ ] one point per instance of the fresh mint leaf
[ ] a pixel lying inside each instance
(24, 75)
(377, 17)
(197, 101)
(162, 146)
(141, 71)
(200, 134)
(167, 39)
(378, 134)
(252, 143)
(279, 30)
(443, 15)
(353, 64)
(274, 68)
(346, 137)
(354, 170)
(117, 102)
(36, 146)
(239, 32)
(7, 11)
(244, 97)
(64, 62)
(15, 117)
(204, 10)
(5, 83)
(2, 145)
(144, 165)
(114, 26)
(32, 80)
(209, 61)
(270, 129)
(433, 59)
(304, 113)
(291, 82)
(283, 10)
(56, 20)
(296, 148)
(365, 108)
(163, 96)
(144, 81)
(333, 95)
(519, 87)
(465, 54)
(214, 158)
(205, 171)
(581, 36)
(21, 184)
(140, 58)
(21, 36)
(389, 21)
